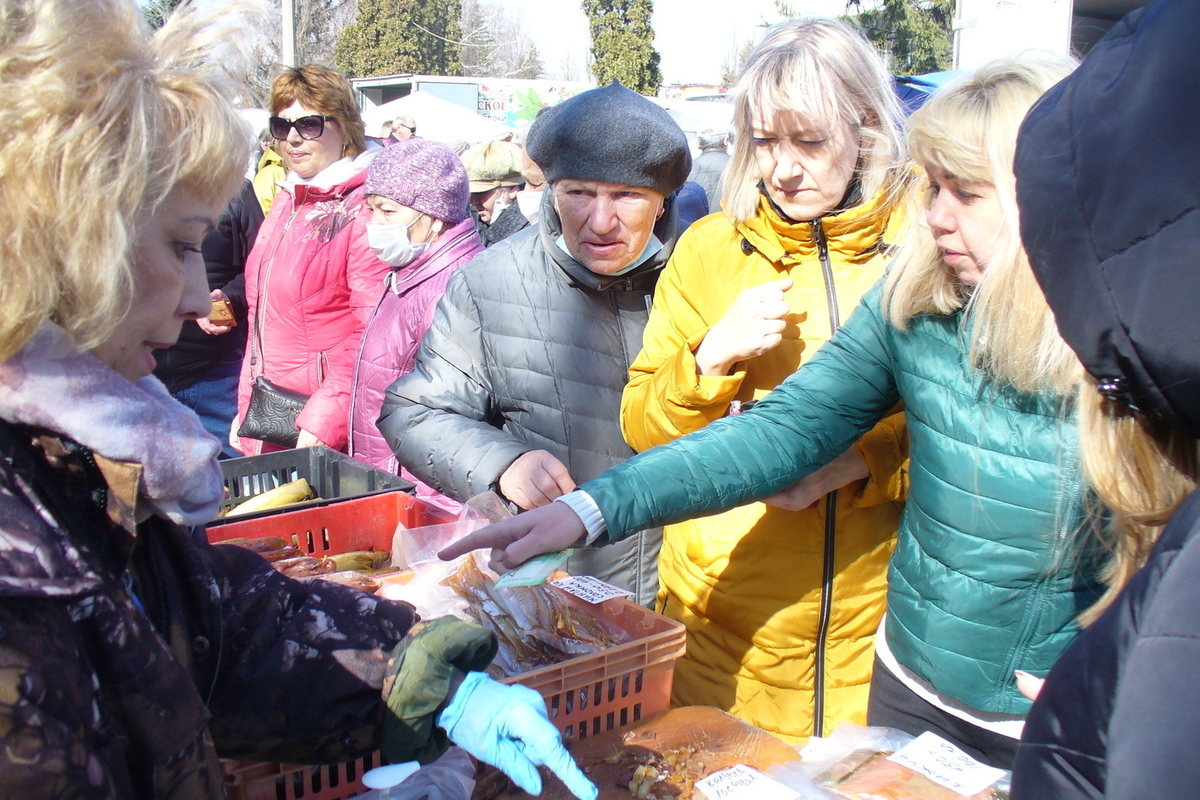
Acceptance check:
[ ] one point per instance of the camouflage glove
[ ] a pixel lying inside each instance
(425, 670)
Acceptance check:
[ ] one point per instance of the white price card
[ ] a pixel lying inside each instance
(740, 782)
(534, 571)
(589, 589)
(946, 765)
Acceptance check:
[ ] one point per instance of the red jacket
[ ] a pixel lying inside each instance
(313, 281)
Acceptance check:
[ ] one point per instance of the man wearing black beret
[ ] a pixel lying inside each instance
(517, 387)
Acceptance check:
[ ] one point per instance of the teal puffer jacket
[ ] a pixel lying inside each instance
(992, 563)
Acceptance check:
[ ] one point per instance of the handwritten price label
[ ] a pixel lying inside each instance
(945, 764)
(589, 589)
(740, 782)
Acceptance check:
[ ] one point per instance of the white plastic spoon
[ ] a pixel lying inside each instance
(388, 776)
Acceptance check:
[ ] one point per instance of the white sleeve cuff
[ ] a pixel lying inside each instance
(586, 509)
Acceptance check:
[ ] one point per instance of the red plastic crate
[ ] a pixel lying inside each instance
(362, 523)
(584, 696)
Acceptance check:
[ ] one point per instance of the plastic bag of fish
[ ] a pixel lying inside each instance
(535, 625)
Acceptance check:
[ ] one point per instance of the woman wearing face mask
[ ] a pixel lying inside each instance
(781, 598)
(417, 191)
(992, 563)
(311, 279)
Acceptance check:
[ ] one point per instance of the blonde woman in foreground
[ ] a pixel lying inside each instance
(990, 569)
(134, 655)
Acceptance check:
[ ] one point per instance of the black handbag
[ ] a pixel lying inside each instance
(272, 412)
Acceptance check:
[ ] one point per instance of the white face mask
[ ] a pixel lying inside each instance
(392, 245)
(498, 209)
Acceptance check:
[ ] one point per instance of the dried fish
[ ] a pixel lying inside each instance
(536, 625)
(355, 580)
(305, 566)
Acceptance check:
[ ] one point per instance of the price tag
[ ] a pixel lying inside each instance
(946, 765)
(740, 782)
(534, 571)
(589, 589)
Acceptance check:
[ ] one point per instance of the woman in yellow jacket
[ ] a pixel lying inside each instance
(781, 600)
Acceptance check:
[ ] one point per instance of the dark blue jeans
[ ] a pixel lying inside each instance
(214, 399)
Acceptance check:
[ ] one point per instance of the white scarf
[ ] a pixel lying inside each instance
(53, 384)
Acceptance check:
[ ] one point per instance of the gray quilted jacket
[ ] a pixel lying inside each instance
(529, 350)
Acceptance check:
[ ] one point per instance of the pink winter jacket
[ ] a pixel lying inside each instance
(393, 336)
(313, 280)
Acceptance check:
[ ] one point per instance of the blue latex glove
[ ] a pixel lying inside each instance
(507, 727)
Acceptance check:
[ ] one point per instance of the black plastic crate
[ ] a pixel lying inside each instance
(332, 475)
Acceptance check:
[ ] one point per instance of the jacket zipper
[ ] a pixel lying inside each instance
(1062, 535)
(829, 565)
(261, 300)
(629, 357)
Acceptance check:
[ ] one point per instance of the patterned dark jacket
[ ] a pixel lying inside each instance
(131, 660)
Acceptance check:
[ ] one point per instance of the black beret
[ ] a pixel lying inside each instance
(1108, 184)
(613, 135)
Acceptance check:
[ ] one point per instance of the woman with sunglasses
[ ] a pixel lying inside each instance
(312, 278)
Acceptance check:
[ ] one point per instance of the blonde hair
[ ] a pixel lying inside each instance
(326, 91)
(825, 71)
(969, 131)
(1141, 470)
(98, 123)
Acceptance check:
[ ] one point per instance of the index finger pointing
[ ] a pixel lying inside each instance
(497, 536)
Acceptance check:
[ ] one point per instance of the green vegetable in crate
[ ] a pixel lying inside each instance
(370, 561)
(295, 492)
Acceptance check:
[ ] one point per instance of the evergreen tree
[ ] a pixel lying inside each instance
(389, 37)
(623, 43)
(918, 34)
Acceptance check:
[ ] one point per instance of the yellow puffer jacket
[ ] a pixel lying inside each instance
(266, 180)
(771, 610)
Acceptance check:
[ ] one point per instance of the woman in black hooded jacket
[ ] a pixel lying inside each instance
(1108, 179)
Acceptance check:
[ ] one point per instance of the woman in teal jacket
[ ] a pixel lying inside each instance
(989, 572)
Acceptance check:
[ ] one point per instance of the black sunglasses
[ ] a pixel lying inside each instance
(310, 127)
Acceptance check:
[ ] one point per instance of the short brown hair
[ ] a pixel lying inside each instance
(325, 91)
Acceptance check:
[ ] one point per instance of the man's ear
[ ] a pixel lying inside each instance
(662, 207)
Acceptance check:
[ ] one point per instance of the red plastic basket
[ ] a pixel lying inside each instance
(362, 523)
(584, 696)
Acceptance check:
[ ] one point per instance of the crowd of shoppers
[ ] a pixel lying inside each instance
(991, 565)
(940, 365)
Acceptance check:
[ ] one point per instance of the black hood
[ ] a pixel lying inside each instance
(1108, 183)
(665, 229)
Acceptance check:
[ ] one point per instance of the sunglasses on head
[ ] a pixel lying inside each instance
(310, 127)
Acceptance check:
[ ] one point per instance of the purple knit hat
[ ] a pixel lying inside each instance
(421, 174)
